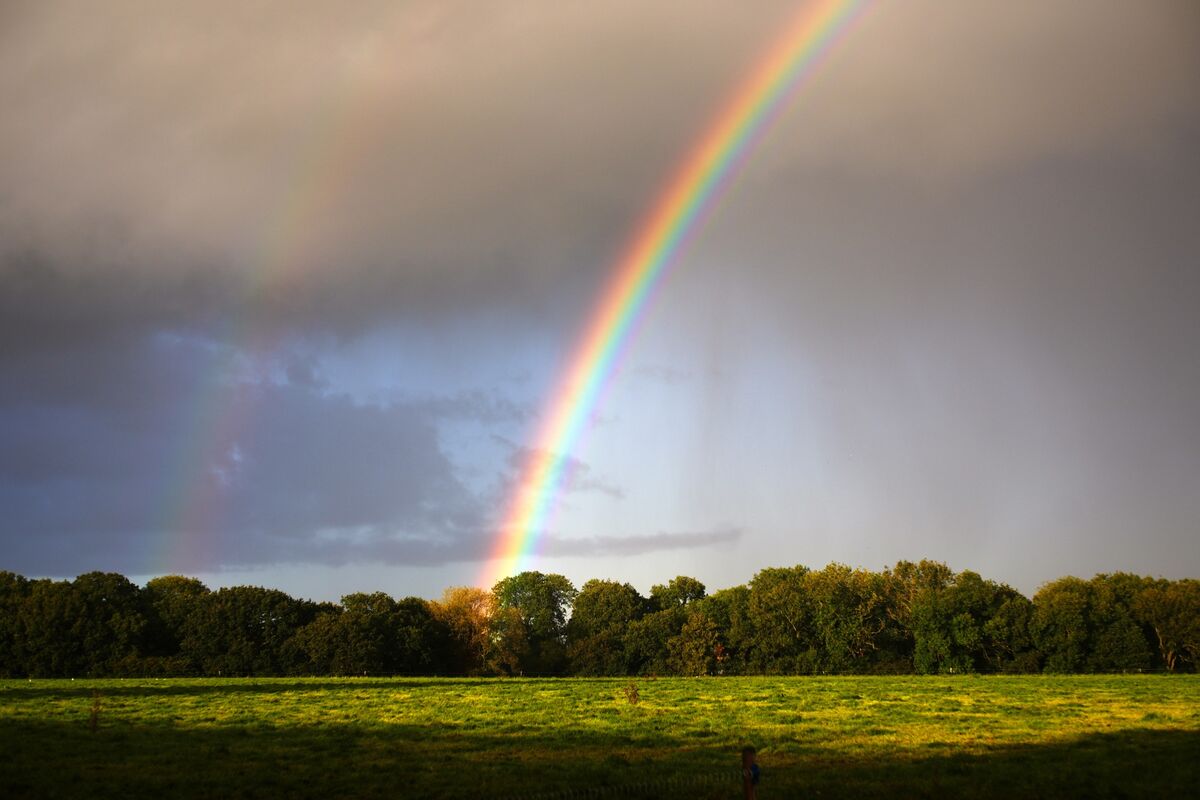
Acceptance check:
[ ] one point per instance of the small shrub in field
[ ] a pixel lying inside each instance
(94, 718)
(632, 694)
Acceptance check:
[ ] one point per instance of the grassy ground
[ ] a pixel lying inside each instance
(1083, 736)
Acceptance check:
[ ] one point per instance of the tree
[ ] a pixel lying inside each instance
(420, 642)
(729, 610)
(1172, 610)
(317, 648)
(681, 591)
(784, 641)
(541, 602)
(46, 640)
(111, 624)
(601, 613)
(367, 632)
(952, 627)
(244, 630)
(1012, 647)
(848, 609)
(94, 625)
(1120, 642)
(1059, 625)
(645, 642)
(13, 591)
(695, 649)
(465, 614)
(908, 585)
(171, 599)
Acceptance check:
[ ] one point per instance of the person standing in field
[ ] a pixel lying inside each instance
(750, 773)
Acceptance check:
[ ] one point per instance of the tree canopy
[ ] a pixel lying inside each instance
(914, 617)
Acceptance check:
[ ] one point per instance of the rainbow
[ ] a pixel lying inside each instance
(332, 148)
(676, 213)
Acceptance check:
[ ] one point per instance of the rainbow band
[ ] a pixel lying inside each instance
(679, 208)
(333, 146)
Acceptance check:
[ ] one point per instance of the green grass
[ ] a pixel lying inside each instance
(1080, 736)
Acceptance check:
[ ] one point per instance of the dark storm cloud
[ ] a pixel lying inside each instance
(638, 545)
(120, 457)
(393, 159)
(171, 161)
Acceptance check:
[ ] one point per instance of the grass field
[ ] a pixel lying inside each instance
(1081, 736)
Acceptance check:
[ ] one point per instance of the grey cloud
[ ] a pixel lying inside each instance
(476, 406)
(638, 545)
(169, 454)
(172, 162)
(392, 145)
(304, 371)
(577, 475)
(937, 92)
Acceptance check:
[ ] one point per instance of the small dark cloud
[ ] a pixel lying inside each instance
(304, 371)
(577, 475)
(476, 406)
(638, 545)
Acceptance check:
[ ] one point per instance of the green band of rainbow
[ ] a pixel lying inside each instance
(675, 214)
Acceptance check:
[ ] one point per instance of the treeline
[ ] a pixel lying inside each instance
(921, 618)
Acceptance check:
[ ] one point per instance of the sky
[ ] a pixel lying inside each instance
(285, 288)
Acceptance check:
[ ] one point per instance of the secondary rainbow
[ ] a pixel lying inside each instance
(332, 148)
(676, 213)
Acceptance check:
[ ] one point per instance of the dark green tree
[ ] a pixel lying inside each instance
(47, 640)
(951, 626)
(848, 609)
(92, 626)
(784, 640)
(695, 649)
(907, 584)
(600, 615)
(244, 630)
(171, 600)
(1172, 610)
(646, 639)
(1060, 624)
(541, 603)
(1012, 647)
(729, 610)
(1120, 643)
(421, 643)
(317, 648)
(13, 590)
(112, 623)
(366, 635)
(681, 591)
